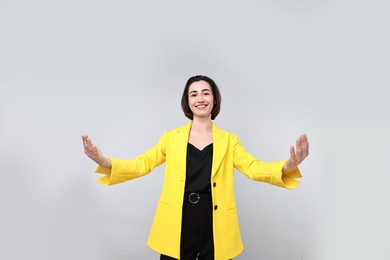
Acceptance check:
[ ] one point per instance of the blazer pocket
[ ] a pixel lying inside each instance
(231, 209)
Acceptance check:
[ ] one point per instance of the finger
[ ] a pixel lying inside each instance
(89, 143)
(84, 138)
(91, 152)
(305, 146)
(89, 147)
(308, 146)
(292, 153)
(298, 149)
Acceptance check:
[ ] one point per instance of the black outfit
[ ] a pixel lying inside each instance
(198, 174)
(197, 220)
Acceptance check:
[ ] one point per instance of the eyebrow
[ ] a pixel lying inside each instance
(203, 90)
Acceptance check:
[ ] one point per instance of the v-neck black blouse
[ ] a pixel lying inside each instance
(199, 162)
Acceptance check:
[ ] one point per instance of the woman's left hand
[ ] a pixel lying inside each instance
(297, 155)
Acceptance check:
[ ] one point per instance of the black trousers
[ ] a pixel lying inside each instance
(197, 232)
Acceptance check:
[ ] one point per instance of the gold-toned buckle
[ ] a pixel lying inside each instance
(197, 197)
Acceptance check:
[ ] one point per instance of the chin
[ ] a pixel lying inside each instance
(202, 115)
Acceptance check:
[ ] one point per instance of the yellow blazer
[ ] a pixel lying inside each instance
(228, 153)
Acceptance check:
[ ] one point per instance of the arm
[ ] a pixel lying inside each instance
(117, 170)
(279, 173)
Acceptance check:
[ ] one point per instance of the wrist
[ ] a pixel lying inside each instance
(106, 163)
(288, 168)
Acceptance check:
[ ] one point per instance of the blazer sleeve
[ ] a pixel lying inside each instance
(124, 170)
(270, 172)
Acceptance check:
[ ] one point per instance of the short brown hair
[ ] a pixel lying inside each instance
(214, 88)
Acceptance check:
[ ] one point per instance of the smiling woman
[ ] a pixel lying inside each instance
(196, 216)
(191, 91)
(200, 99)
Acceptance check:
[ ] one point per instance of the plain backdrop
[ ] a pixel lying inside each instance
(116, 70)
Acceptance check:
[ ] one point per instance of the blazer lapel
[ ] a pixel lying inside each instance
(220, 143)
(181, 144)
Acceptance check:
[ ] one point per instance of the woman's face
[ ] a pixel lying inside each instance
(200, 99)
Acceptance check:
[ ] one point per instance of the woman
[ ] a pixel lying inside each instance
(196, 216)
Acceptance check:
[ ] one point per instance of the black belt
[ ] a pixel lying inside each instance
(194, 197)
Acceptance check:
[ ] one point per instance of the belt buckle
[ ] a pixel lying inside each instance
(197, 197)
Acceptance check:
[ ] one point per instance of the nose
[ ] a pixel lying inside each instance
(201, 98)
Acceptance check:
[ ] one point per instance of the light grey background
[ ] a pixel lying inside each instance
(116, 70)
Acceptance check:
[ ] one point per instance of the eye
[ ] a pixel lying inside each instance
(193, 95)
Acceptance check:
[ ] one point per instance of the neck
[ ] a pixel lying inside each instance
(202, 124)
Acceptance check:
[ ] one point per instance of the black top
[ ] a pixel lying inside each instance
(198, 175)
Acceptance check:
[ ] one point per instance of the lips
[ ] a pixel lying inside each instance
(201, 106)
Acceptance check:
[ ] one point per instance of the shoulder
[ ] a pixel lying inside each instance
(180, 129)
(223, 133)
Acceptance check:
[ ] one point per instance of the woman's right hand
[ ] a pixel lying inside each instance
(94, 153)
